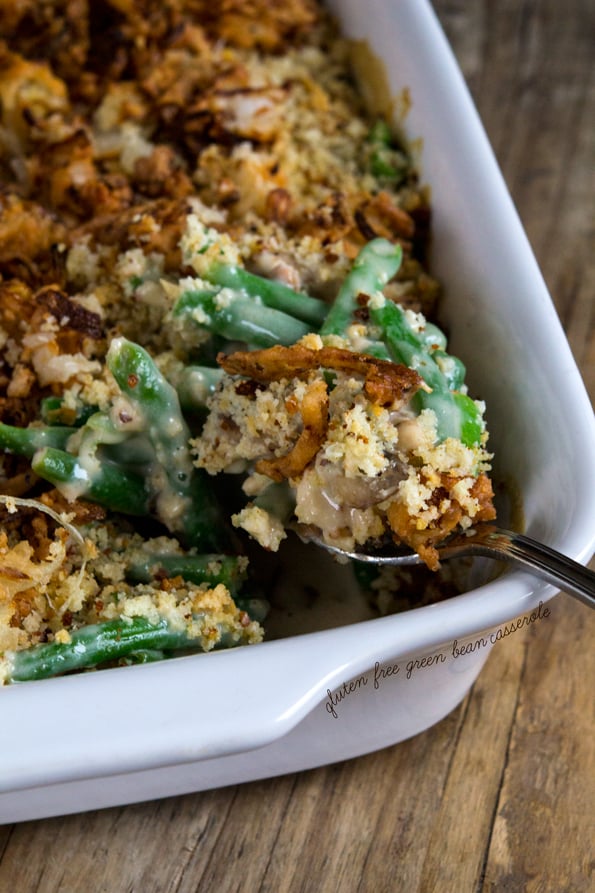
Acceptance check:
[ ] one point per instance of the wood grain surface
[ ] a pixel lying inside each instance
(500, 795)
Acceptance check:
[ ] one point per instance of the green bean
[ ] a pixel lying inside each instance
(104, 433)
(185, 502)
(390, 317)
(102, 442)
(101, 643)
(470, 419)
(272, 293)
(456, 414)
(452, 368)
(386, 162)
(416, 358)
(133, 453)
(432, 337)
(106, 484)
(212, 569)
(55, 411)
(256, 608)
(156, 402)
(51, 409)
(26, 441)
(204, 525)
(278, 500)
(240, 319)
(194, 385)
(144, 656)
(377, 349)
(375, 265)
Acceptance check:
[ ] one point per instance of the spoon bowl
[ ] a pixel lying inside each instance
(488, 541)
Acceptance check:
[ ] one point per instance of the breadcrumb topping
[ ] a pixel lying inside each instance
(230, 133)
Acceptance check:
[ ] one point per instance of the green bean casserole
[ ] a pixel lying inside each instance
(217, 325)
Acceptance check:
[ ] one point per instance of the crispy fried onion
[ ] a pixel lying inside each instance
(406, 529)
(314, 412)
(386, 383)
(13, 503)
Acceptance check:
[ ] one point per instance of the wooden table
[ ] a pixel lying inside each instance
(498, 796)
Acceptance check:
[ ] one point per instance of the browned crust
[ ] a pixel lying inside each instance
(314, 412)
(68, 313)
(424, 542)
(386, 383)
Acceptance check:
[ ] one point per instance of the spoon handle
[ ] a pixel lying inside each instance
(492, 542)
(552, 566)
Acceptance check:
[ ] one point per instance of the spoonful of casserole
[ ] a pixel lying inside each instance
(364, 433)
(333, 443)
(332, 438)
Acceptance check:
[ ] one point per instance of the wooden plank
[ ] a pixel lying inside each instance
(531, 69)
(120, 848)
(543, 830)
(361, 830)
(462, 825)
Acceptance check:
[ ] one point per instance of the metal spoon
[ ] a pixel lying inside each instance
(491, 542)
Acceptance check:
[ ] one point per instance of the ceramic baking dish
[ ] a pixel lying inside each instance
(193, 723)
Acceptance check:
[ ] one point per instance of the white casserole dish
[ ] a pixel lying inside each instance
(194, 723)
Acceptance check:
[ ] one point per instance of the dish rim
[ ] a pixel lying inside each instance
(311, 662)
